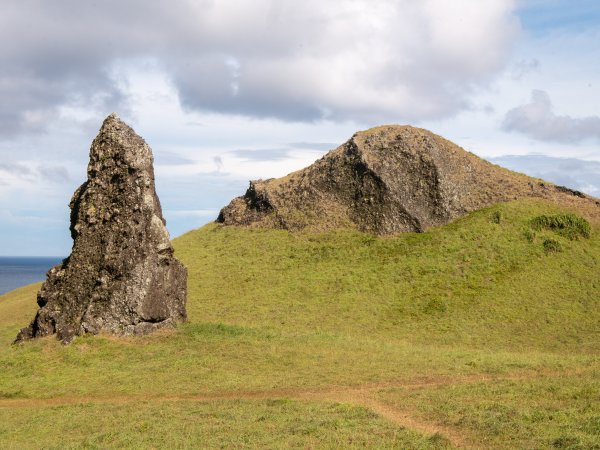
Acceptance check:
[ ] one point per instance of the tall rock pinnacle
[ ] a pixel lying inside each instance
(121, 277)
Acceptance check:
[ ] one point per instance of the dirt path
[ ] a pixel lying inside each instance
(367, 397)
(362, 395)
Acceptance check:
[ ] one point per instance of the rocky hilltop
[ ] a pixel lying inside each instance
(121, 276)
(387, 180)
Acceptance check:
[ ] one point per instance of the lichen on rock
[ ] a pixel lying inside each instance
(121, 277)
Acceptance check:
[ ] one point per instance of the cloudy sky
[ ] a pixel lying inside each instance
(231, 90)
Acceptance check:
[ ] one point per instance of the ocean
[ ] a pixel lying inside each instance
(17, 271)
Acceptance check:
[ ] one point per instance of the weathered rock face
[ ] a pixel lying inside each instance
(387, 180)
(121, 276)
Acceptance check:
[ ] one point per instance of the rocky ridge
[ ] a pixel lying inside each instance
(121, 277)
(386, 180)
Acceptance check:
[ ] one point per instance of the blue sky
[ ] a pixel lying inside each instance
(225, 92)
(541, 17)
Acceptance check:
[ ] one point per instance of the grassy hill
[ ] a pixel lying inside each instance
(484, 333)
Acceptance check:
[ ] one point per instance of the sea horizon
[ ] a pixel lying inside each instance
(19, 271)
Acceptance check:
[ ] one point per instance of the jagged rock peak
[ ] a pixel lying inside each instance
(386, 180)
(121, 277)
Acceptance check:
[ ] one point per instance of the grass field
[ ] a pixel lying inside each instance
(484, 333)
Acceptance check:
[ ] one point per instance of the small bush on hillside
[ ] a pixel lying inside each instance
(434, 306)
(567, 442)
(438, 440)
(552, 246)
(11, 394)
(529, 235)
(570, 226)
(496, 217)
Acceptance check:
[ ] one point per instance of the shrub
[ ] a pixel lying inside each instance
(570, 226)
(552, 246)
(496, 217)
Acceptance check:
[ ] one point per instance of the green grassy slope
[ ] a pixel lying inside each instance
(474, 282)
(458, 337)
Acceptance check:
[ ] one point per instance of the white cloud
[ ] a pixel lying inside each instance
(538, 120)
(203, 213)
(583, 175)
(523, 67)
(368, 61)
(19, 171)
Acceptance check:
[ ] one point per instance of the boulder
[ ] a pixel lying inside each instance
(387, 180)
(121, 277)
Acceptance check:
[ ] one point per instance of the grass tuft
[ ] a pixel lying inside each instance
(529, 235)
(552, 246)
(567, 442)
(496, 217)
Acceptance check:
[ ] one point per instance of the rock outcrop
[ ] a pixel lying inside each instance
(387, 180)
(121, 277)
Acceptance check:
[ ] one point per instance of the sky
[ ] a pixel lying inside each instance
(228, 91)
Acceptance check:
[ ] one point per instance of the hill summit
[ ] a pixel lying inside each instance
(386, 180)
